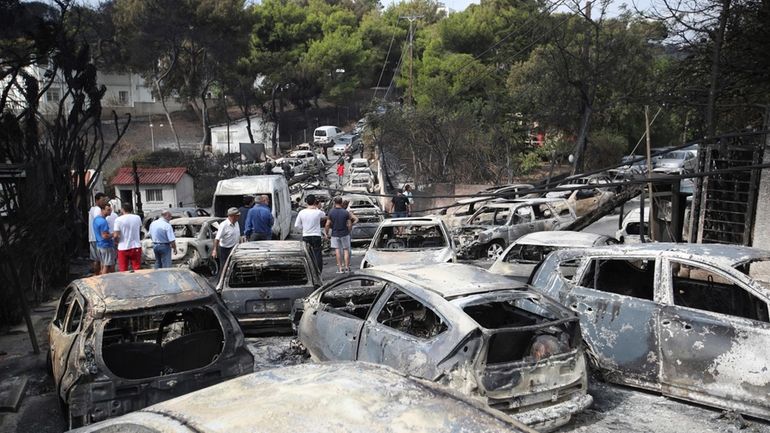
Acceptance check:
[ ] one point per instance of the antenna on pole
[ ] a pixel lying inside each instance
(411, 19)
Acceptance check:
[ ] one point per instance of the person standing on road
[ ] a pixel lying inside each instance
(163, 240)
(309, 221)
(341, 170)
(95, 211)
(228, 236)
(126, 234)
(104, 243)
(408, 194)
(399, 205)
(259, 221)
(340, 224)
(248, 203)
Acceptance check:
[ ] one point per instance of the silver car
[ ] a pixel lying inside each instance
(261, 280)
(458, 325)
(687, 320)
(495, 225)
(676, 162)
(523, 256)
(410, 241)
(194, 243)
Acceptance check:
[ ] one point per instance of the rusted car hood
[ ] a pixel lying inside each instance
(415, 257)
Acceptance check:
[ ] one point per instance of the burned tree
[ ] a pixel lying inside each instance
(48, 149)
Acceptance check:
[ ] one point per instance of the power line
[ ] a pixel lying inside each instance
(385, 64)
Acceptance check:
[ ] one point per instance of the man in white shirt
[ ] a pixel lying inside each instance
(127, 231)
(309, 221)
(95, 211)
(228, 236)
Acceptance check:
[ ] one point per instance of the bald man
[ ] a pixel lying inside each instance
(163, 240)
(259, 221)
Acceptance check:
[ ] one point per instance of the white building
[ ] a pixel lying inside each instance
(261, 129)
(160, 188)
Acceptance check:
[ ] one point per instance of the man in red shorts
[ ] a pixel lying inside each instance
(128, 226)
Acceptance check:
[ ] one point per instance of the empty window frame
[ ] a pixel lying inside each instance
(286, 271)
(623, 276)
(353, 297)
(410, 316)
(704, 289)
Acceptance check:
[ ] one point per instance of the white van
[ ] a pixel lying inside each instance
(230, 192)
(323, 135)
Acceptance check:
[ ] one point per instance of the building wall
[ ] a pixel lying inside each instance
(171, 194)
(185, 191)
(261, 129)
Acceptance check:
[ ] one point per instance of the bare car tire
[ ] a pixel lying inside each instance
(494, 249)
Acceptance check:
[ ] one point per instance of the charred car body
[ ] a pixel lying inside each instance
(687, 320)
(498, 223)
(410, 241)
(523, 256)
(261, 280)
(194, 242)
(458, 325)
(120, 342)
(350, 397)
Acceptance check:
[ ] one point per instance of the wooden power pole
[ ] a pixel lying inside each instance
(411, 19)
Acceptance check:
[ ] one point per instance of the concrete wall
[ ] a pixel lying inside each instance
(261, 130)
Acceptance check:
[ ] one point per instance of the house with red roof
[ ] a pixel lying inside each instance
(160, 187)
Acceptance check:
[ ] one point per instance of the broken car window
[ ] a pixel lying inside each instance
(627, 277)
(491, 216)
(353, 297)
(64, 306)
(410, 236)
(704, 289)
(161, 342)
(408, 315)
(287, 272)
(528, 253)
(76, 315)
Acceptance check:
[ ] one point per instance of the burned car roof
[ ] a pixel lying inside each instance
(193, 220)
(566, 239)
(147, 288)
(443, 278)
(411, 221)
(726, 255)
(269, 247)
(338, 396)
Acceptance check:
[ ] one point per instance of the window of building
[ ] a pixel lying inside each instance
(155, 195)
(123, 97)
(53, 95)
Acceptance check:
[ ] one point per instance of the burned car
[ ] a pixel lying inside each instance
(495, 225)
(194, 242)
(410, 241)
(455, 214)
(687, 320)
(459, 325)
(123, 341)
(369, 217)
(582, 200)
(261, 280)
(522, 257)
(350, 397)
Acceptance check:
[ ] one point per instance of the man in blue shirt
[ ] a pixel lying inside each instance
(104, 244)
(163, 240)
(259, 221)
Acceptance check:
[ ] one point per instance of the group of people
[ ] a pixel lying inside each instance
(112, 238)
(253, 222)
(337, 228)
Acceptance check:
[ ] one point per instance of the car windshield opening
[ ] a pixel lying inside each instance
(283, 272)
(354, 297)
(405, 237)
(531, 254)
(162, 342)
(541, 335)
(491, 216)
(186, 230)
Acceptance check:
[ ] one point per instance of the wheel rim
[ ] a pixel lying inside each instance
(494, 250)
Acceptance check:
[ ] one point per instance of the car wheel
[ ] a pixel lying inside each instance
(494, 250)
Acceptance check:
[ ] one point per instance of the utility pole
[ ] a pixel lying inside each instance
(651, 223)
(411, 19)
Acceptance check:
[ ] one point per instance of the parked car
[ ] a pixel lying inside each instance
(308, 398)
(495, 225)
(261, 280)
(323, 197)
(123, 341)
(309, 157)
(297, 165)
(632, 227)
(457, 213)
(687, 320)
(346, 143)
(676, 162)
(360, 126)
(229, 193)
(523, 256)
(631, 166)
(410, 241)
(459, 325)
(369, 217)
(364, 171)
(360, 183)
(323, 135)
(359, 163)
(194, 242)
(582, 200)
(176, 212)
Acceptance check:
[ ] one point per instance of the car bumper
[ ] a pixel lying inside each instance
(552, 417)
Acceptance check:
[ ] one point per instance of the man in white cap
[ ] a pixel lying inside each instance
(227, 237)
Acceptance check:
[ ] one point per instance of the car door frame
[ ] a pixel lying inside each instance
(515, 230)
(65, 343)
(679, 328)
(427, 360)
